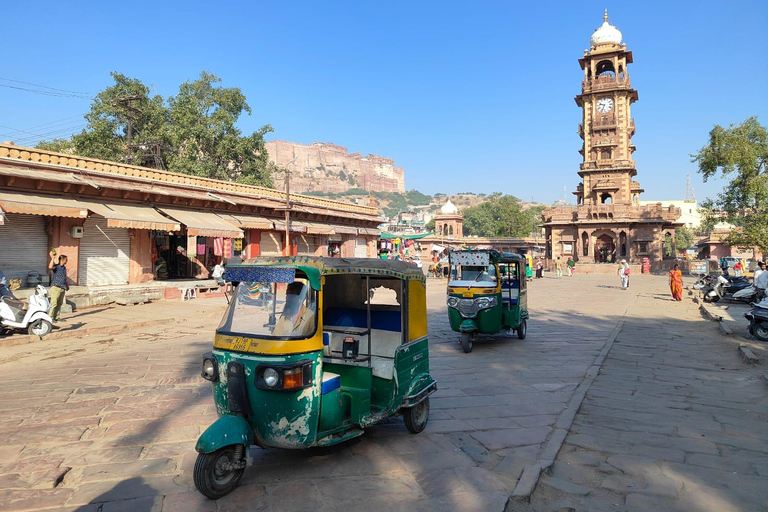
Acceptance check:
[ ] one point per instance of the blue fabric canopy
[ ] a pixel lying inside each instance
(260, 274)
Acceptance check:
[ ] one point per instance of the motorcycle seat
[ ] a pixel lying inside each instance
(14, 303)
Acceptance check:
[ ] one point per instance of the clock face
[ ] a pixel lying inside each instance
(604, 105)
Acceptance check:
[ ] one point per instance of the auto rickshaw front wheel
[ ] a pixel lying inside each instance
(467, 342)
(416, 417)
(218, 473)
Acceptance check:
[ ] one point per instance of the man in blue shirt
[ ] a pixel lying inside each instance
(58, 284)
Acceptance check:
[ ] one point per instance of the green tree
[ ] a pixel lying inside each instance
(739, 154)
(501, 216)
(195, 130)
(205, 138)
(430, 226)
(683, 238)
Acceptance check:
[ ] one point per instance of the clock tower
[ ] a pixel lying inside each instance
(608, 224)
(607, 126)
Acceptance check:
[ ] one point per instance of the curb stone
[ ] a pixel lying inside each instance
(747, 355)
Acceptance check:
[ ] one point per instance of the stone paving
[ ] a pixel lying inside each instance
(675, 421)
(108, 423)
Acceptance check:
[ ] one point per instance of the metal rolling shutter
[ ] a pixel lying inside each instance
(104, 254)
(307, 244)
(23, 245)
(271, 244)
(361, 248)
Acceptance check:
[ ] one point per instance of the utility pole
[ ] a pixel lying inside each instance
(127, 104)
(288, 206)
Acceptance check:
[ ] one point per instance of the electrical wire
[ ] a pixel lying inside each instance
(53, 90)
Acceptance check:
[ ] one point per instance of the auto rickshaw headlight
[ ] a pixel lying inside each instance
(486, 302)
(210, 368)
(453, 302)
(271, 377)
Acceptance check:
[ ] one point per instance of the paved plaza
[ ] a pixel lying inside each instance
(653, 409)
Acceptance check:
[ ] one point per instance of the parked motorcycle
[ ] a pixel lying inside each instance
(758, 320)
(716, 287)
(32, 317)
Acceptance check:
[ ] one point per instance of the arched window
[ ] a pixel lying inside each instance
(450, 230)
(605, 154)
(585, 243)
(445, 229)
(605, 198)
(605, 67)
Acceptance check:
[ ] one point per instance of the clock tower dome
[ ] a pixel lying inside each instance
(607, 126)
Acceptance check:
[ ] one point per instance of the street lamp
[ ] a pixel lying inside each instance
(288, 206)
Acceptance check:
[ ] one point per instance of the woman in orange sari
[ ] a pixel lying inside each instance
(676, 283)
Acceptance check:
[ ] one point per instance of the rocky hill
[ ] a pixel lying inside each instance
(330, 168)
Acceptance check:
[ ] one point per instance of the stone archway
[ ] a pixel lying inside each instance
(605, 248)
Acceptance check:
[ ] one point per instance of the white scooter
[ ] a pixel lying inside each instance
(34, 318)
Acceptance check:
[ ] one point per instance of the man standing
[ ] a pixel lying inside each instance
(761, 281)
(559, 267)
(58, 284)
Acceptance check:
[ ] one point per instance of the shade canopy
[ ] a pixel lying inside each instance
(203, 223)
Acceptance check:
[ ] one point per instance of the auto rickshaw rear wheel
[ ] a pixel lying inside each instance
(416, 417)
(467, 342)
(522, 329)
(218, 473)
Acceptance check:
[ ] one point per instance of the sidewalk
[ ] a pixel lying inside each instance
(674, 421)
(115, 319)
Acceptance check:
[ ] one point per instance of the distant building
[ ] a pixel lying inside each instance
(327, 167)
(690, 216)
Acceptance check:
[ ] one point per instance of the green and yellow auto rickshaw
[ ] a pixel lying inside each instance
(310, 352)
(487, 294)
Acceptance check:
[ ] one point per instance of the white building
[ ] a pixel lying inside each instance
(690, 215)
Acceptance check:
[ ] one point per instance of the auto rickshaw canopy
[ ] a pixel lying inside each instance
(316, 266)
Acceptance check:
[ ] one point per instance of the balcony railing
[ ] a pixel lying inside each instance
(605, 82)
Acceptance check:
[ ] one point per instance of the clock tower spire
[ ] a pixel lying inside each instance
(607, 126)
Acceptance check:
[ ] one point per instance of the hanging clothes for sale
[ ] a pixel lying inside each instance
(201, 243)
(218, 246)
(238, 245)
(228, 248)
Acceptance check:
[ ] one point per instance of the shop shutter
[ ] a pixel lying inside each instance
(361, 248)
(307, 244)
(23, 246)
(271, 244)
(104, 254)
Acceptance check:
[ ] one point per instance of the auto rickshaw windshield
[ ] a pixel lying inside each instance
(474, 275)
(272, 310)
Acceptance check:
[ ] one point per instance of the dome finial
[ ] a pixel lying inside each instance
(605, 16)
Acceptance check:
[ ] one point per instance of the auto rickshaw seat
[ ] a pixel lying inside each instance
(385, 335)
(510, 291)
(331, 381)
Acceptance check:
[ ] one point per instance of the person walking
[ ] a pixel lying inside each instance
(559, 267)
(539, 269)
(58, 284)
(623, 272)
(676, 283)
(571, 266)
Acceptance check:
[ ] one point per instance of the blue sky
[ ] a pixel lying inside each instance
(465, 96)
